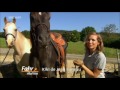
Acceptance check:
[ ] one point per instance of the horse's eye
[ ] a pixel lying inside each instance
(15, 29)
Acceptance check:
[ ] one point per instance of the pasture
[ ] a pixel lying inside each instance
(3, 43)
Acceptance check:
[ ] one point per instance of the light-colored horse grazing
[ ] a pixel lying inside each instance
(20, 43)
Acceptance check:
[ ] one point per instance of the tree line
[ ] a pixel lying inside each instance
(111, 37)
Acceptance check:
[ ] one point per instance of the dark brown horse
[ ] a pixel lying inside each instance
(44, 54)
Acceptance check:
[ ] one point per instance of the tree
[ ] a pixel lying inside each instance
(2, 34)
(111, 28)
(75, 36)
(85, 31)
(26, 33)
(67, 36)
(110, 37)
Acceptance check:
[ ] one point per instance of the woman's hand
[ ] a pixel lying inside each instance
(78, 62)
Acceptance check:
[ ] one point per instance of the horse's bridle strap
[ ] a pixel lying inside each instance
(14, 36)
(9, 34)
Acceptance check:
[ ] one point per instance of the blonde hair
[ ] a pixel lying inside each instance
(99, 39)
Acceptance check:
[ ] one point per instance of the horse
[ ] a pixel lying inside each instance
(21, 45)
(44, 54)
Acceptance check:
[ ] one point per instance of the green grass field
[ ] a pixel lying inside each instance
(78, 48)
(2, 43)
(75, 48)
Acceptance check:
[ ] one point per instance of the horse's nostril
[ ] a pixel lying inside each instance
(12, 43)
(39, 38)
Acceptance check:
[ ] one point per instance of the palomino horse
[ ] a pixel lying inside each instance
(20, 44)
(44, 54)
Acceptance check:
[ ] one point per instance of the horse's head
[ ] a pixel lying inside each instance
(39, 17)
(40, 27)
(10, 31)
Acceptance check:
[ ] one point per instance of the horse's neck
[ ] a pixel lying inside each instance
(22, 44)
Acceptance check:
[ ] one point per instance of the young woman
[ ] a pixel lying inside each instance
(94, 61)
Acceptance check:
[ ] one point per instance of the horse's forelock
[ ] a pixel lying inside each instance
(35, 19)
(10, 25)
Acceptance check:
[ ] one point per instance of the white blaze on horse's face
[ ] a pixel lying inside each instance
(40, 13)
(10, 28)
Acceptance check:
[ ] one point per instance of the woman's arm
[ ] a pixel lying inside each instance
(93, 74)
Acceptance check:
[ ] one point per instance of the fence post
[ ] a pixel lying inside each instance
(118, 65)
(118, 59)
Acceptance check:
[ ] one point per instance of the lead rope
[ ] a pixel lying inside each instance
(74, 74)
(4, 58)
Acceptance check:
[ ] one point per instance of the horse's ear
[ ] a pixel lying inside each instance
(49, 14)
(46, 15)
(14, 20)
(5, 20)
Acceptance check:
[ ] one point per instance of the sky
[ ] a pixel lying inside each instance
(66, 20)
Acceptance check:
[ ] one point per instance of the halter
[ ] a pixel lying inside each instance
(14, 36)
